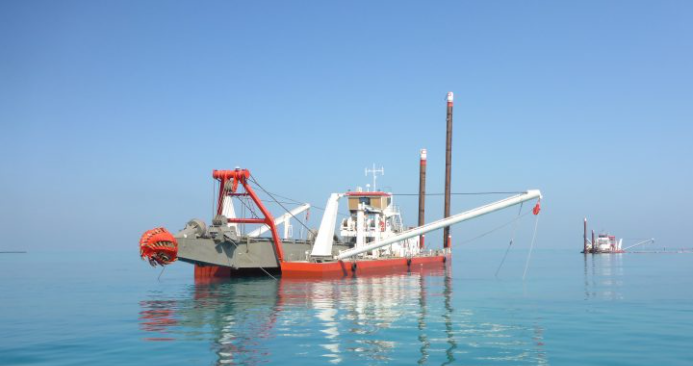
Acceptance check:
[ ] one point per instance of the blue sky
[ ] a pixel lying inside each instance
(115, 113)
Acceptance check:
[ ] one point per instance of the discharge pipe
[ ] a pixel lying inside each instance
(445, 222)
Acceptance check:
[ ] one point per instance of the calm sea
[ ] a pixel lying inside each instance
(108, 309)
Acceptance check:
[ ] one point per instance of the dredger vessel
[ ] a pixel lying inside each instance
(372, 239)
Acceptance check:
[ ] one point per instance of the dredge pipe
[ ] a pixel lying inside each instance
(445, 222)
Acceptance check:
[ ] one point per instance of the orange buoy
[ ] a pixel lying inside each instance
(537, 208)
(159, 246)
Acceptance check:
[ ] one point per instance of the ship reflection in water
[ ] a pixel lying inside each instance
(370, 320)
(604, 276)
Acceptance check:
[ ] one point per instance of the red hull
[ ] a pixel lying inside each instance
(209, 272)
(340, 269)
(361, 267)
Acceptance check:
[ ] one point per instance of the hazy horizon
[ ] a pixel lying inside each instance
(114, 114)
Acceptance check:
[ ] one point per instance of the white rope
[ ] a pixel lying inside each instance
(512, 239)
(531, 247)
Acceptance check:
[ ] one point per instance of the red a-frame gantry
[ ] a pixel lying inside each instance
(234, 177)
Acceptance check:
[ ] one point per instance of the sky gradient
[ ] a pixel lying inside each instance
(115, 113)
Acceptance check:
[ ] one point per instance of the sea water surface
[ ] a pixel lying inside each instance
(110, 308)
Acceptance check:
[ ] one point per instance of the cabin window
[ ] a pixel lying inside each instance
(365, 200)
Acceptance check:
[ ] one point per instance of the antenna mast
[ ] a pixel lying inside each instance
(375, 172)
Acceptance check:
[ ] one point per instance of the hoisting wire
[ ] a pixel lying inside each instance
(302, 203)
(277, 201)
(240, 199)
(531, 246)
(284, 202)
(512, 239)
(290, 199)
(249, 207)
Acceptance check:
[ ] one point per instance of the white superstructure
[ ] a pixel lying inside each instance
(373, 217)
(404, 236)
(606, 243)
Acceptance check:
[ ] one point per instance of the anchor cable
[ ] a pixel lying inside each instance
(163, 268)
(251, 259)
(512, 239)
(531, 246)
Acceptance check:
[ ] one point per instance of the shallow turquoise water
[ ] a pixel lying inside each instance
(628, 309)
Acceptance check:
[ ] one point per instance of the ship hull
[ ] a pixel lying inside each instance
(332, 270)
(615, 251)
(360, 267)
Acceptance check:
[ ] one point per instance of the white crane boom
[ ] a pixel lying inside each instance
(325, 237)
(639, 243)
(439, 224)
(228, 211)
(280, 220)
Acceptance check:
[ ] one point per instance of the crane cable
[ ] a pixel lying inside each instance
(277, 201)
(436, 194)
(531, 246)
(460, 193)
(492, 230)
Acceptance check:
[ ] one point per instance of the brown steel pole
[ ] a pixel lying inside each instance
(448, 168)
(593, 243)
(422, 194)
(584, 236)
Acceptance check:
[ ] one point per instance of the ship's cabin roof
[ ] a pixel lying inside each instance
(374, 200)
(368, 194)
